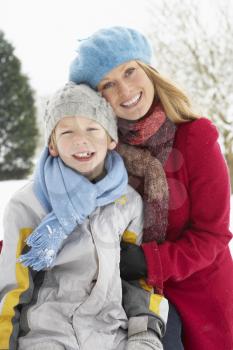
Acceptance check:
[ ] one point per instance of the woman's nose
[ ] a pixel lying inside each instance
(124, 89)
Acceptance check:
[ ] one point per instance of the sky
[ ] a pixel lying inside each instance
(45, 33)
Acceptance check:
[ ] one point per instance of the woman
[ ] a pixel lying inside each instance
(174, 161)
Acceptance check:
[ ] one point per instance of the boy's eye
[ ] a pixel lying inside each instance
(66, 132)
(129, 71)
(92, 129)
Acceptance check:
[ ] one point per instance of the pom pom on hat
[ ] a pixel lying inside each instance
(79, 100)
(105, 50)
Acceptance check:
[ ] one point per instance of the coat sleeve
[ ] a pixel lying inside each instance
(16, 284)
(209, 197)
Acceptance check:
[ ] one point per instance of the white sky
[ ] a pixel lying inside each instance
(45, 32)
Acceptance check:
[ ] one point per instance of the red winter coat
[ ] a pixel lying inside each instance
(194, 263)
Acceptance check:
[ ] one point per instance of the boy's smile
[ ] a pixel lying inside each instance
(83, 156)
(82, 144)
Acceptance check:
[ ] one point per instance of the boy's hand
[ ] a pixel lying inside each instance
(132, 263)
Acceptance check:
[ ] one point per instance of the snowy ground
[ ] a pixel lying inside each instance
(7, 188)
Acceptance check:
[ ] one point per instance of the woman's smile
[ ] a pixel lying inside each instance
(132, 101)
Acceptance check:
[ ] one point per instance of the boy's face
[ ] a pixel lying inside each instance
(82, 144)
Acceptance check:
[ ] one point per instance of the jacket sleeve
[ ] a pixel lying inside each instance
(134, 230)
(15, 279)
(209, 197)
(144, 309)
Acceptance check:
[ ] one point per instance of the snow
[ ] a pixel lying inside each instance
(7, 188)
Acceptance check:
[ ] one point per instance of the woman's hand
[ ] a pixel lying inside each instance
(132, 263)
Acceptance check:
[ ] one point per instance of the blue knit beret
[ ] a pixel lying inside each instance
(105, 50)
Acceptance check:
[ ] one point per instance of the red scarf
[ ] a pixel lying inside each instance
(145, 146)
(137, 132)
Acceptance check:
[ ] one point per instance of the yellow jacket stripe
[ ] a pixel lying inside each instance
(12, 298)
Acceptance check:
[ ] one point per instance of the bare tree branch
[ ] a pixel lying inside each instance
(198, 54)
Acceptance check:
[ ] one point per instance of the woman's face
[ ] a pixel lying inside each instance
(129, 90)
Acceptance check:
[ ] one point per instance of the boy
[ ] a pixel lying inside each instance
(63, 290)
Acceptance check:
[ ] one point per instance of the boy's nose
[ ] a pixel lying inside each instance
(79, 137)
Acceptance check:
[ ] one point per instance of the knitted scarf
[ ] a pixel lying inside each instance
(145, 146)
(69, 198)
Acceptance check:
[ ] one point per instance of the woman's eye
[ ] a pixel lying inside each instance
(129, 71)
(107, 85)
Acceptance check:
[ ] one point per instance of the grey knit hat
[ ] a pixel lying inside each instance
(79, 100)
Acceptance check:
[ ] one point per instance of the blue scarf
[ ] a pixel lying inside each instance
(69, 198)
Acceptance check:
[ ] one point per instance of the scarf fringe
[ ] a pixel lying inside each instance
(38, 259)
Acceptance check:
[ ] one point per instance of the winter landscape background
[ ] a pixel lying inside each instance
(192, 42)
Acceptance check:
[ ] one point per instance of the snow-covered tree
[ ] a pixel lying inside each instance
(193, 45)
(18, 131)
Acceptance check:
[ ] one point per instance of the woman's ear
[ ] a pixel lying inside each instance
(112, 145)
(53, 150)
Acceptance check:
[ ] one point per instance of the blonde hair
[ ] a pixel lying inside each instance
(52, 139)
(175, 102)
